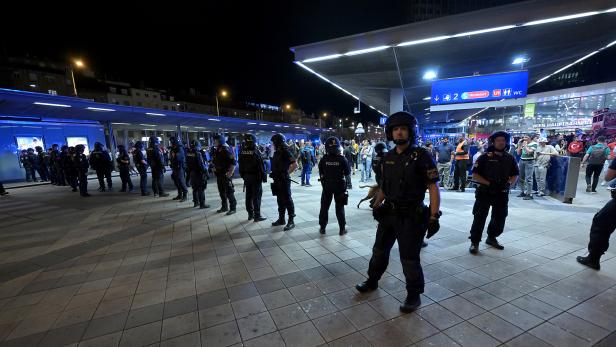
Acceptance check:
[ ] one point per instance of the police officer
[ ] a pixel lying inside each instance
(123, 161)
(196, 164)
(495, 170)
(25, 163)
(81, 165)
(283, 165)
(142, 167)
(157, 164)
(335, 176)
(56, 163)
(224, 167)
(43, 159)
(68, 165)
(35, 165)
(100, 161)
(177, 160)
(603, 225)
(408, 171)
(252, 171)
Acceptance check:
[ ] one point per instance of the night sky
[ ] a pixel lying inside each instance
(242, 46)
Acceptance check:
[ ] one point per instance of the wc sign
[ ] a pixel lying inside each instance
(382, 121)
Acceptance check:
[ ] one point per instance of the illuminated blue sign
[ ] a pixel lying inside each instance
(508, 85)
(382, 121)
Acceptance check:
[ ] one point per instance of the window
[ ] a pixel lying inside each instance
(113, 89)
(16, 75)
(589, 104)
(124, 91)
(610, 101)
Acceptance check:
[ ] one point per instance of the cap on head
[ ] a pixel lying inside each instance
(380, 147)
(332, 145)
(250, 141)
(497, 134)
(278, 139)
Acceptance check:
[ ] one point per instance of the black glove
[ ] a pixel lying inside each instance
(349, 184)
(433, 227)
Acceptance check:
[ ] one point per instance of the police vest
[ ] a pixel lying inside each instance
(460, 149)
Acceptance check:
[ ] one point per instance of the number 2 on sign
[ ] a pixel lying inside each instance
(455, 96)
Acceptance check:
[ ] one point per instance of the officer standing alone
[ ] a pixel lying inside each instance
(603, 225)
(100, 161)
(157, 164)
(197, 169)
(335, 175)
(252, 171)
(408, 171)
(224, 167)
(177, 159)
(496, 170)
(283, 165)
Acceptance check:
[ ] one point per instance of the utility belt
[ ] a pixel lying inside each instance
(407, 208)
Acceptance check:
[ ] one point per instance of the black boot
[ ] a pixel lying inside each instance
(259, 218)
(367, 286)
(322, 230)
(195, 203)
(184, 198)
(251, 216)
(424, 244)
(163, 195)
(411, 303)
(222, 209)
(289, 225)
(231, 211)
(280, 221)
(342, 230)
(178, 197)
(494, 243)
(591, 262)
(474, 249)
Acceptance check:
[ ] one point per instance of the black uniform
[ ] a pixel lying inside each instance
(156, 162)
(377, 167)
(252, 171)
(25, 163)
(35, 165)
(223, 160)
(603, 225)
(177, 159)
(403, 216)
(123, 161)
(281, 187)
(497, 169)
(100, 161)
(142, 167)
(44, 165)
(70, 172)
(334, 172)
(196, 164)
(80, 163)
(56, 163)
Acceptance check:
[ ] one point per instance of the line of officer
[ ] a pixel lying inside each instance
(408, 171)
(177, 161)
(252, 171)
(334, 173)
(224, 167)
(81, 165)
(602, 227)
(495, 171)
(56, 165)
(196, 164)
(43, 163)
(157, 164)
(123, 161)
(283, 165)
(100, 161)
(141, 164)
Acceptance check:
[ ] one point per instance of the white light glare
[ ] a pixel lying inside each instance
(50, 104)
(519, 60)
(429, 75)
(100, 109)
(156, 114)
(557, 19)
(214, 119)
(327, 57)
(417, 42)
(367, 50)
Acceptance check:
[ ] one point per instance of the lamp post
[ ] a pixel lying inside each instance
(79, 64)
(223, 93)
(324, 116)
(288, 108)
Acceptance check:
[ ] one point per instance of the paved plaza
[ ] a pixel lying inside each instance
(121, 269)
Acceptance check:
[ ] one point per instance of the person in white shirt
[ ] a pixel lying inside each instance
(543, 154)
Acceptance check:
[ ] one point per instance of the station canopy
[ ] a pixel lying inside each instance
(21, 105)
(545, 37)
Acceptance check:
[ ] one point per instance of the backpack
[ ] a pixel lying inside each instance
(597, 156)
(306, 156)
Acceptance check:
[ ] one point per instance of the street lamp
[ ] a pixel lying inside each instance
(223, 93)
(79, 64)
(287, 107)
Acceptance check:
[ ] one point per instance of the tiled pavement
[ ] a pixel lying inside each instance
(119, 269)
